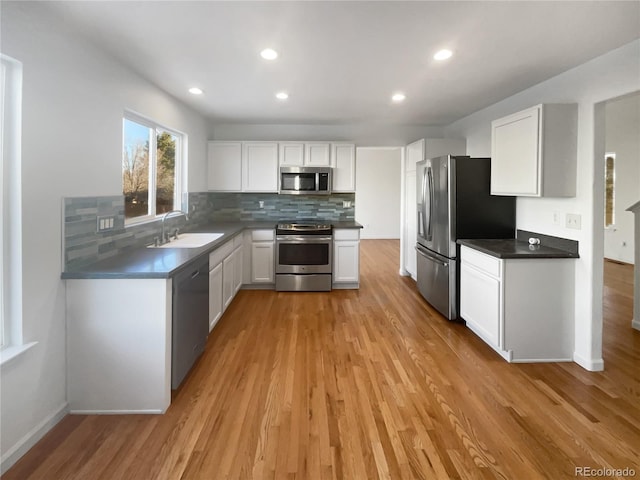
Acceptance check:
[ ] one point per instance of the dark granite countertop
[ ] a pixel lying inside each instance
(155, 262)
(512, 248)
(550, 247)
(345, 224)
(166, 262)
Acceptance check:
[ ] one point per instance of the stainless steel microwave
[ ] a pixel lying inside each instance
(305, 180)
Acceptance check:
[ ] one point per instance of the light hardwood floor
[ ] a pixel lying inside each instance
(361, 385)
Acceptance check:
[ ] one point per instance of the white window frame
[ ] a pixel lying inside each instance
(178, 168)
(12, 343)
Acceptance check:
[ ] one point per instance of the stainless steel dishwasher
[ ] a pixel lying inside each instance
(190, 323)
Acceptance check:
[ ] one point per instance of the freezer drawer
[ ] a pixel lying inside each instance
(437, 281)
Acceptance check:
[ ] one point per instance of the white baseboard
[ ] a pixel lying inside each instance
(31, 438)
(117, 412)
(635, 324)
(593, 365)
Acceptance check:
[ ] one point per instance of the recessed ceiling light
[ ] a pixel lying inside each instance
(398, 97)
(443, 54)
(196, 91)
(269, 54)
(282, 95)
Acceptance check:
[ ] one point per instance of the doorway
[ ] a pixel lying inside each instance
(618, 161)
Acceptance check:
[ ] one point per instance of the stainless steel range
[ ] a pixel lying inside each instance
(304, 257)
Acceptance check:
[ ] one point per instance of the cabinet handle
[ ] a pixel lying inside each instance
(195, 274)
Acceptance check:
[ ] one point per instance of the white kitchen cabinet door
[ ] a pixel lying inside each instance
(228, 273)
(237, 272)
(262, 262)
(346, 256)
(534, 153)
(291, 154)
(215, 295)
(343, 161)
(317, 154)
(480, 304)
(224, 166)
(515, 154)
(260, 166)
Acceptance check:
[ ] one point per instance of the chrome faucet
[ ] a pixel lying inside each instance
(163, 238)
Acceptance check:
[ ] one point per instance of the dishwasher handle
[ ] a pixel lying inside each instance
(431, 258)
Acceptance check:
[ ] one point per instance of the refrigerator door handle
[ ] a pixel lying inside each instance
(420, 212)
(428, 182)
(424, 254)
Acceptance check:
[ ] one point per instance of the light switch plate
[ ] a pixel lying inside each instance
(105, 223)
(573, 220)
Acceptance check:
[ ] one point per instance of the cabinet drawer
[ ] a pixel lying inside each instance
(346, 234)
(483, 262)
(220, 253)
(262, 235)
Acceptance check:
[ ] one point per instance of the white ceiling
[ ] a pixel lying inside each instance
(340, 61)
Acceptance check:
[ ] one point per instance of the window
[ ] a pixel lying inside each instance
(151, 161)
(10, 209)
(609, 189)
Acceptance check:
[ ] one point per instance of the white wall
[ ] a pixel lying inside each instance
(378, 173)
(608, 76)
(623, 139)
(373, 135)
(73, 101)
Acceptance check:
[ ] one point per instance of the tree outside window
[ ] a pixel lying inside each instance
(609, 189)
(150, 167)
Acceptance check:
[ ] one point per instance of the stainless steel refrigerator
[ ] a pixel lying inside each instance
(454, 202)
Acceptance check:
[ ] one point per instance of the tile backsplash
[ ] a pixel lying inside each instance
(83, 244)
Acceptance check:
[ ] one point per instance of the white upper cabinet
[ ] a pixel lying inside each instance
(242, 167)
(317, 154)
(224, 166)
(533, 152)
(343, 161)
(260, 166)
(291, 154)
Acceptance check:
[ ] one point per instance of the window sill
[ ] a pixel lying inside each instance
(11, 352)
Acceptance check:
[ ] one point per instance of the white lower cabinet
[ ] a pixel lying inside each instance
(237, 268)
(346, 258)
(225, 277)
(522, 307)
(215, 295)
(228, 271)
(480, 305)
(262, 262)
(119, 352)
(262, 256)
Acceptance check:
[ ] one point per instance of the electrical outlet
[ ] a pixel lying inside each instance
(573, 220)
(346, 204)
(556, 218)
(261, 203)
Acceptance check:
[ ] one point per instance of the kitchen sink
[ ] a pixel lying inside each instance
(190, 240)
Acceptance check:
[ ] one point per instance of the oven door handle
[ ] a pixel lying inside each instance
(309, 239)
